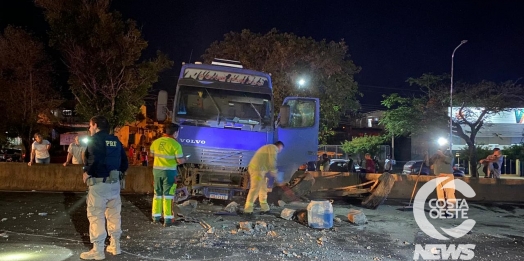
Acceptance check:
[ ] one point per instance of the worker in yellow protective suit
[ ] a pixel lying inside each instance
(263, 162)
(167, 153)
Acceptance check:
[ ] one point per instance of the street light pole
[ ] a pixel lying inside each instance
(451, 99)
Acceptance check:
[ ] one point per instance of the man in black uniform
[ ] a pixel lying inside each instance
(105, 161)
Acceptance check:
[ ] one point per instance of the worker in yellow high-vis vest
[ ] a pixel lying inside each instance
(264, 161)
(167, 153)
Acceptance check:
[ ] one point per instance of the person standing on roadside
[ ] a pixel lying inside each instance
(369, 166)
(388, 165)
(75, 153)
(106, 160)
(132, 154)
(144, 157)
(167, 153)
(40, 150)
(442, 167)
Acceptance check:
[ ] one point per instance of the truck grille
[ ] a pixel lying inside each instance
(222, 157)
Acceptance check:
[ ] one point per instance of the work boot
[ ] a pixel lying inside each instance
(168, 222)
(114, 246)
(96, 253)
(156, 220)
(248, 215)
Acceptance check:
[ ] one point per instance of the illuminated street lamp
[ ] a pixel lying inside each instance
(451, 99)
(301, 82)
(442, 141)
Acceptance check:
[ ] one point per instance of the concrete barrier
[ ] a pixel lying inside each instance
(56, 177)
(492, 190)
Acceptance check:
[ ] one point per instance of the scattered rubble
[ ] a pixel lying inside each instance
(43, 214)
(261, 226)
(357, 217)
(287, 213)
(252, 250)
(186, 208)
(232, 207)
(281, 203)
(4, 219)
(245, 225)
(272, 233)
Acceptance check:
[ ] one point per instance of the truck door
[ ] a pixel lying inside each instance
(297, 128)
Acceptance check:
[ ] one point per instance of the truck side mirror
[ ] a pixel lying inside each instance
(161, 106)
(284, 115)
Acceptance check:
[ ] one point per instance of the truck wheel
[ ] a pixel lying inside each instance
(381, 192)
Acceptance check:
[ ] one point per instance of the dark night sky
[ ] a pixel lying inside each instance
(390, 40)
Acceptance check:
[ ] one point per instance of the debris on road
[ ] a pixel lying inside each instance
(4, 219)
(43, 214)
(231, 207)
(253, 250)
(357, 217)
(281, 203)
(205, 225)
(300, 216)
(245, 225)
(287, 213)
(186, 208)
(261, 226)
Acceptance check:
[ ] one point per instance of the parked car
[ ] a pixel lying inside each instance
(341, 165)
(413, 167)
(459, 170)
(11, 155)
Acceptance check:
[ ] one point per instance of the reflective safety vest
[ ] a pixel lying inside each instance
(166, 150)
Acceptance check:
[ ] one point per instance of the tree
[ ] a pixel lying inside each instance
(325, 67)
(515, 151)
(25, 81)
(482, 152)
(473, 106)
(102, 55)
(364, 144)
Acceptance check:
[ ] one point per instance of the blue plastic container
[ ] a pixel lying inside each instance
(320, 214)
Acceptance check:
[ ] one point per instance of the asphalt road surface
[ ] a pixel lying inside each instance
(54, 226)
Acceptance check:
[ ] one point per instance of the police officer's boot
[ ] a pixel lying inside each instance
(114, 246)
(96, 253)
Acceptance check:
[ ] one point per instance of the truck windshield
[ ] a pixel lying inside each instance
(227, 108)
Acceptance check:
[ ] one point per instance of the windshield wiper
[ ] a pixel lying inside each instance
(254, 108)
(216, 105)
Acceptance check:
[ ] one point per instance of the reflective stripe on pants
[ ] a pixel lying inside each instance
(257, 189)
(104, 203)
(165, 187)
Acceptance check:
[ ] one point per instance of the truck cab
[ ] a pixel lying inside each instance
(225, 113)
